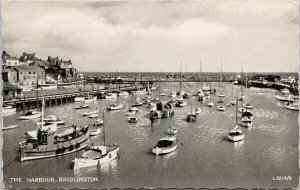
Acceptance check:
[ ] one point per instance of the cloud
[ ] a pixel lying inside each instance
(156, 36)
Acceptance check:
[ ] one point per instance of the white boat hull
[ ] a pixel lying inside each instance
(83, 162)
(79, 99)
(158, 151)
(90, 100)
(236, 138)
(35, 116)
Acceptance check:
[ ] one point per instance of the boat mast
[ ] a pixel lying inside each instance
(246, 87)
(37, 93)
(43, 104)
(236, 111)
(200, 74)
(104, 127)
(180, 76)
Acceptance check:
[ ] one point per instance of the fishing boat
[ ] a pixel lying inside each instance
(46, 143)
(31, 114)
(221, 108)
(97, 155)
(8, 110)
(292, 106)
(246, 121)
(114, 107)
(51, 119)
(132, 119)
(236, 134)
(83, 106)
(10, 127)
(165, 145)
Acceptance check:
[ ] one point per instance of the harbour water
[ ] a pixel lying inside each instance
(204, 157)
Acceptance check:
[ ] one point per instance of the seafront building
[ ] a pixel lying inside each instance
(24, 72)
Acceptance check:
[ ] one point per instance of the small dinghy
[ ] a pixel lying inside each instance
(181, 104)
(221, 108)
(95, 132)
(132, 119)
(172, 131)
(31, 114)
(114, 107)
(90, 113)
(82, 106)
(131, 112)
(134, 109)
(123, 93)
(137, 103)
(210, 104)
(165, 145)
(221, 101)
(179, 98)
(98, 122)
(248, 106)
(94, 115)
(198, 110)
(10, 127)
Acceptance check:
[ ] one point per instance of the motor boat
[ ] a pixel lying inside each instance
(221, 101)
(51, 119)
(123, 93)
(114, 107)
(95, 132)
(132, 119)
(79, 99)
(137, 103)
(111, 96)
(93, 112)
(221, 108)
(181, 104)
(8, 110)
(180, 98)
(292, 106)
(191, 117)
(134, 109)
(31, 114)
(96, 155)
(210, 104)
(82, 106)
(90, 98)
(286, 98)
(221, 94)
(235, 135)
(248, 106)
(246, 121)
(198, 110)
(165, 145)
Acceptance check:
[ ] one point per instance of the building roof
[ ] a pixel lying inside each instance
(10, 87)
(28, 68)
(40, 63)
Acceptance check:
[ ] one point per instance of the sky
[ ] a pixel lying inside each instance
(128, 36)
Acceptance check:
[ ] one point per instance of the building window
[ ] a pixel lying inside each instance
(29, 72)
